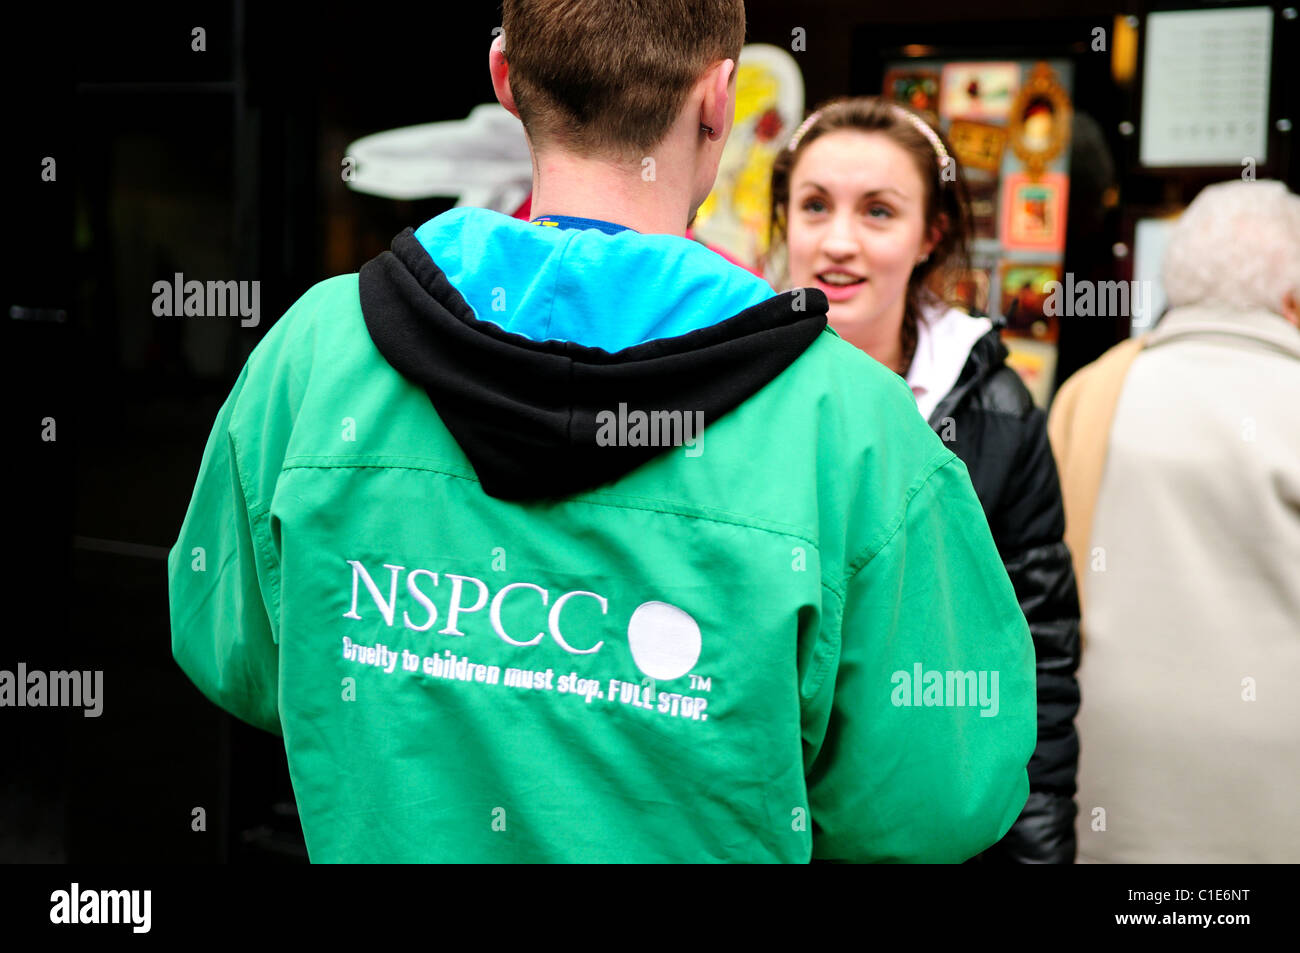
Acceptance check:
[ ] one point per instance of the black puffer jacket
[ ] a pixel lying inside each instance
(990, 421)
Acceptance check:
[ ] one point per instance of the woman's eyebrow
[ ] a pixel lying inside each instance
(869, 193)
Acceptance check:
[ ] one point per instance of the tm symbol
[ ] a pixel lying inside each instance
(701, 684)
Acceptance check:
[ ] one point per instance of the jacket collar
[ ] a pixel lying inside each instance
(986, 356)
(1263, 327)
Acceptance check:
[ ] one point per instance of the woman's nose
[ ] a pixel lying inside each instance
(839, 239)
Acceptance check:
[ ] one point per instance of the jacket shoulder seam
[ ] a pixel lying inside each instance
(932, 466)
(611, 500)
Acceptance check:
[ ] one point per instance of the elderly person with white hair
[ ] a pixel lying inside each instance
(1179, 454)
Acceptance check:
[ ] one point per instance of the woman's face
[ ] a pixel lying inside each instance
(857, 215)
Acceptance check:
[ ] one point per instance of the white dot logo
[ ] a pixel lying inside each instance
(665, 641)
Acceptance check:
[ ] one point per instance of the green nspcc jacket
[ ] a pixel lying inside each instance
(717, 596)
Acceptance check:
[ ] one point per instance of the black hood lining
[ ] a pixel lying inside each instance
(527, 413)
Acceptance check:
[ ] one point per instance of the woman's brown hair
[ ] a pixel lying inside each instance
(946, 206)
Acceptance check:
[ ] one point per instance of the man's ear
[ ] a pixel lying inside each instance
(1291, 307)
(500, 71)
(716, 109)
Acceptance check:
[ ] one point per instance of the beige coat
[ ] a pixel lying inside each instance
(1190, 721)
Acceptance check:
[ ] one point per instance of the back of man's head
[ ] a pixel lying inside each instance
(595, 76)
(1236, 246)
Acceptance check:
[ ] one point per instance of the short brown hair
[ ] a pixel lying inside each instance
(605, 77)
(947, 205)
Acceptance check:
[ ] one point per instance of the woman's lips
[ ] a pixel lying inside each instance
(839, 292)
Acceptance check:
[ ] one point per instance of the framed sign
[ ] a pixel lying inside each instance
(1033, 212)
(1205, 86)
(978, 145)
(978, 90)
(1040, 120)
(917, 88)
(1024, 294)
(1150, 238)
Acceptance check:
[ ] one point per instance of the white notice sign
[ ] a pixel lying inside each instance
(1205, 87)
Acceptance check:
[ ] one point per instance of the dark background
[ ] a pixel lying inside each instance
(226, 164)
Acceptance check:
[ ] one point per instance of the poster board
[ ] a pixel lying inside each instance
(1009, 122)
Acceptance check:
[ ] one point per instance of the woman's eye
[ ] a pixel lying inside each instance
(880, 211)
(814, 205)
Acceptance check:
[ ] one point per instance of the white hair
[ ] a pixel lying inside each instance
(1237, 246)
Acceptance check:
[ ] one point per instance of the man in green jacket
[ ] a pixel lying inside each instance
(570, 541)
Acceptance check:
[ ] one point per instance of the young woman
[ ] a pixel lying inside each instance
(869, 206)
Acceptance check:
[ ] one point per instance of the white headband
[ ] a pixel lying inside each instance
(920, 124)
(924, 129)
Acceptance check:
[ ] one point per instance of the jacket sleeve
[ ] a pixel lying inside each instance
(909, 770)
(223, 584)
(1030, 525)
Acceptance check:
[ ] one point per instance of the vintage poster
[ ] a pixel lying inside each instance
(1024, 292)
(1033, 212)
(979, 91)
(977, 145)
(918, 89)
